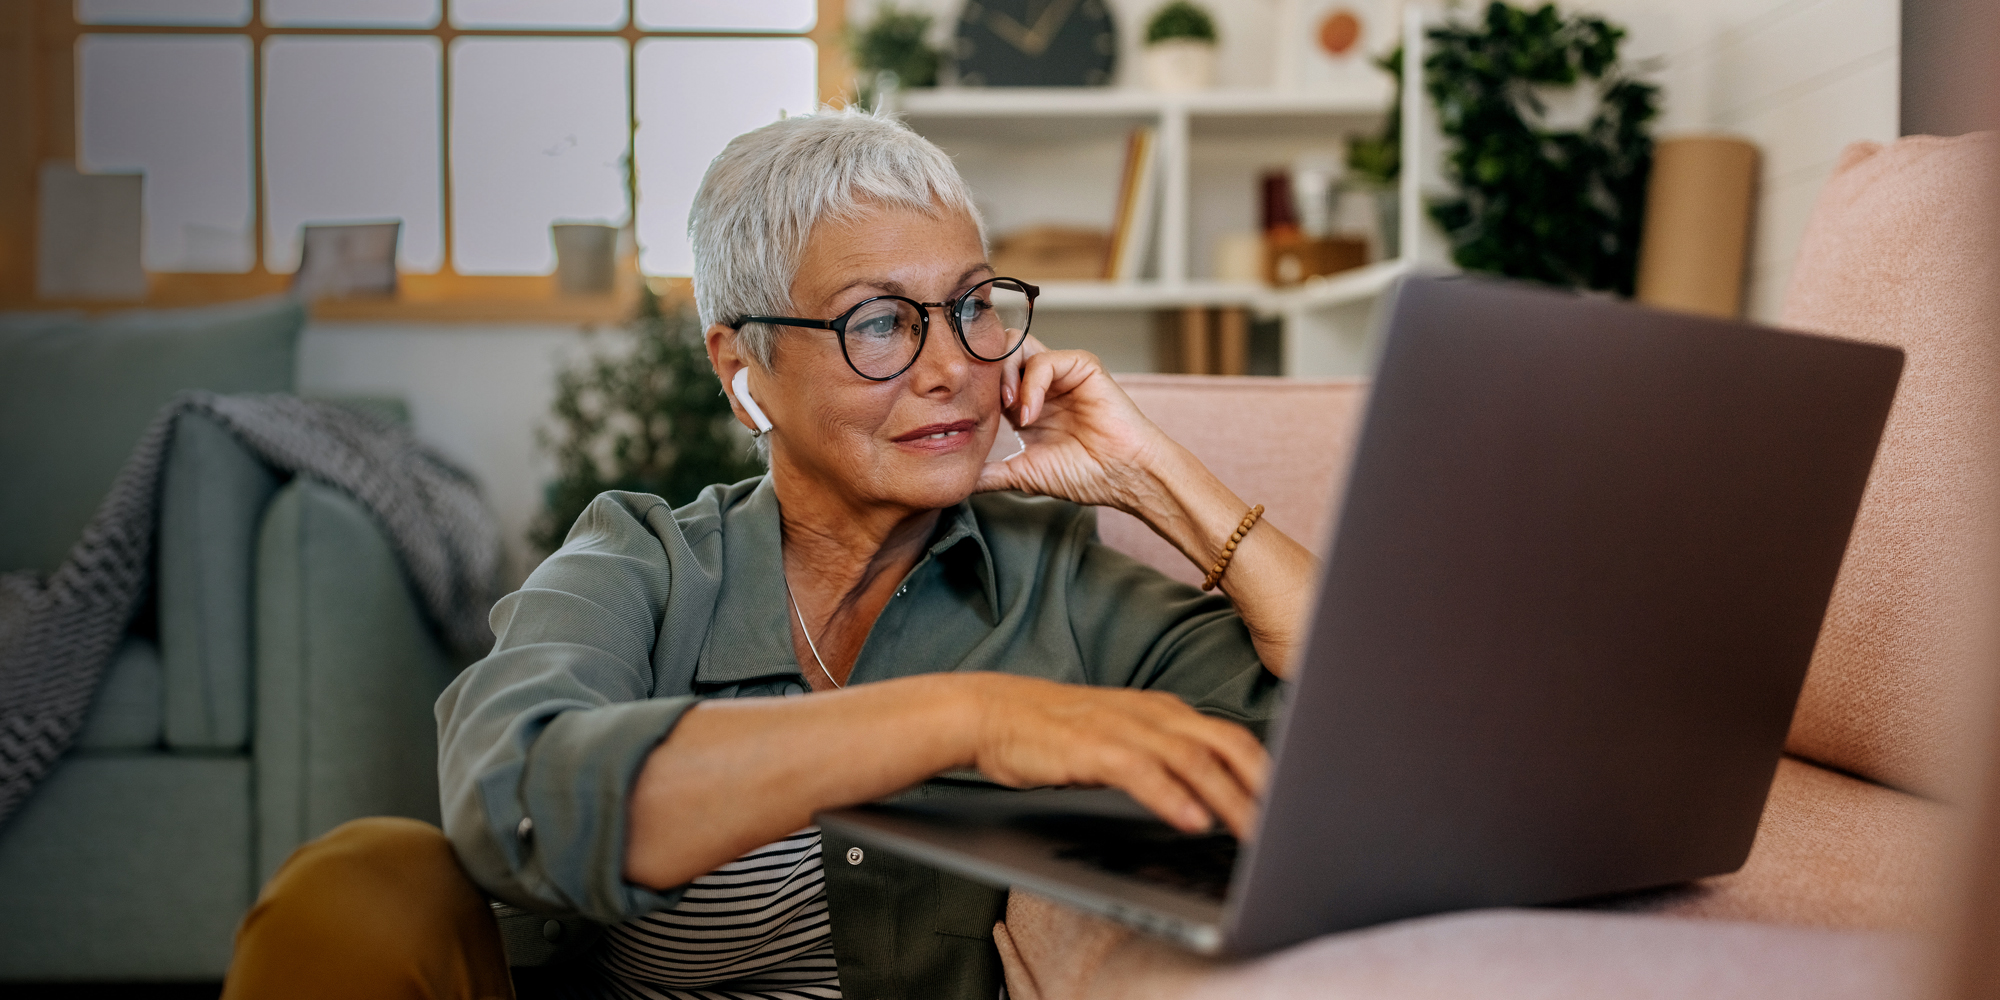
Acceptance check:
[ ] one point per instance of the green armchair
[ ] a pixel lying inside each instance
(279, 682)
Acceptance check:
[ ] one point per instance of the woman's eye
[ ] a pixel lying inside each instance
(971, 309)
(875, 326)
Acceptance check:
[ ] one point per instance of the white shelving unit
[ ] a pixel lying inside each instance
(1052, 155)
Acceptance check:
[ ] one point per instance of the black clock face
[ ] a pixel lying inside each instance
(1035, 43)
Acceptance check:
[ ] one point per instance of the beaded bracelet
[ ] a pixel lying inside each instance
(1229, 549)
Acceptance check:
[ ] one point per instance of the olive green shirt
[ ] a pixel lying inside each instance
(646, 610)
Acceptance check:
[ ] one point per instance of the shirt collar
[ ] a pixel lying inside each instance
(959, 537)
(749, 635)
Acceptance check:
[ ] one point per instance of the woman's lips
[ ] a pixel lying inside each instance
(939, 437)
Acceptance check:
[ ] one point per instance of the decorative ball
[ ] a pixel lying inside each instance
(1339, 31)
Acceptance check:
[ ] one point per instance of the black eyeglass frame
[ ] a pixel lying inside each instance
(838, 325)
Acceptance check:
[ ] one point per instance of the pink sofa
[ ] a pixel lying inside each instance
(1852, 875)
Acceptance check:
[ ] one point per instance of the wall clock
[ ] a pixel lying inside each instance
(1035, 43)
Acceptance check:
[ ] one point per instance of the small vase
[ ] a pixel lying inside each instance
(1389, 215)
(586, 257)
(1180, 65)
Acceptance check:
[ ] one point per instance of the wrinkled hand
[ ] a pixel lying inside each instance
(1188, 768)
(1084, 439)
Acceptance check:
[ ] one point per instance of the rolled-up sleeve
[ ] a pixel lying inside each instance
(540, 742)
(1136, 627)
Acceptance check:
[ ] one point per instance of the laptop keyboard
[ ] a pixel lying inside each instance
(1200, 865)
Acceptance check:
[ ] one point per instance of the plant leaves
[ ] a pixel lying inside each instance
(643, 413)
(1565, 208)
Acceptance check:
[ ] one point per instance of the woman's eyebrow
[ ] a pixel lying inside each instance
(983, 267)
(894, 287)
(885, 284)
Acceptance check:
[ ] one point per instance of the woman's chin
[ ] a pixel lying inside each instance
(932, 481)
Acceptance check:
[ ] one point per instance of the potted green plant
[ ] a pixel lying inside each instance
(893, 51)
(1374, 162)
(645, 414)
(1180, 48)
(1548, 142)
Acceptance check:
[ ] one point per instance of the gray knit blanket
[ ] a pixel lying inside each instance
(58, 634)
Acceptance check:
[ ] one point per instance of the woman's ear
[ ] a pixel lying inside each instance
(733, 369)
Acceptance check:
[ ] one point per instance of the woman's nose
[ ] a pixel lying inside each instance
(954, 357)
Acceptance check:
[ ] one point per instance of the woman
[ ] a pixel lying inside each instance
(621, 755)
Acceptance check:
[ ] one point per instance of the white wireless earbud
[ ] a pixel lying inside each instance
(741, 385)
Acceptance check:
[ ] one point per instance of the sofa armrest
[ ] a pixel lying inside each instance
(347, 673)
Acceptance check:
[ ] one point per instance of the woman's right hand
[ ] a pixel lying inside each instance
(755, 769)
(1190, 769)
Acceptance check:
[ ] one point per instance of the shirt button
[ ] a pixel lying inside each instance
(525, 830)
(900, 591)
(854, 855)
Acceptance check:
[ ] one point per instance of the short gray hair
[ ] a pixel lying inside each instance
(766, 190)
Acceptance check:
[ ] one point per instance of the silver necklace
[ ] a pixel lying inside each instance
(803, 630)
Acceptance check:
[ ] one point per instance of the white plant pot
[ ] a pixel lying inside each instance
(1180, 65)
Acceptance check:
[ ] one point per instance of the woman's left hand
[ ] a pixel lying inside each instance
(1084, 439)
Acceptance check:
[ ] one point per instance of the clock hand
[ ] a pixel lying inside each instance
(1014, 33)
(1050, 22)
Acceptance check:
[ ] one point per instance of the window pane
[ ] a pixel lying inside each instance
(226, 13)
(727, 15)
(538, 13)
(178, 109)
(679, 132)
(351, 13)
(351, 135)
(537, 135)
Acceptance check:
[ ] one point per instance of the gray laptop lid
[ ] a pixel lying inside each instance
(1576, 582)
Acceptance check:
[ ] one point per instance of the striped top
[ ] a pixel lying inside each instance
(753, 929)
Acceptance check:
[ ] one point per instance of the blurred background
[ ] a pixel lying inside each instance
(218, 130)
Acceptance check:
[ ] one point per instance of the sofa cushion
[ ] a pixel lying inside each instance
(1284, 443)
(1901, 250)
(126, 713)
(127, 866)
(1832, 851)
(213, 492)
(76, 392)
(1051, 952)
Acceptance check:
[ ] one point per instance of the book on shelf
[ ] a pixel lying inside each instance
(1132, 232)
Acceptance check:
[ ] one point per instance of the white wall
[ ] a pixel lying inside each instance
(1803, 80)
(476, 393)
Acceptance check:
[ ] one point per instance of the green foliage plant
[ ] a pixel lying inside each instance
(1560, 207)
(1180, 20)
(896, 42)
(1377, 160)
(646, 416)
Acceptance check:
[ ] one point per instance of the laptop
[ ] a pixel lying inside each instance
(1574, 585)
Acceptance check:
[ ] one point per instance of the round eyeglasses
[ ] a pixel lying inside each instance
(881, 337)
